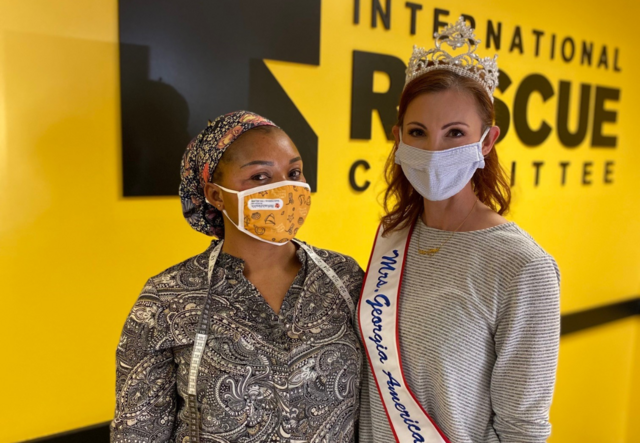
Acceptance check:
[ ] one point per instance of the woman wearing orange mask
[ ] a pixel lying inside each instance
(253, 339)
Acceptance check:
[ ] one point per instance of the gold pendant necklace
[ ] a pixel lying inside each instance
(433, 251)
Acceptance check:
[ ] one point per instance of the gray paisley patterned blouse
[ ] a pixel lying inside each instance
(264, 377)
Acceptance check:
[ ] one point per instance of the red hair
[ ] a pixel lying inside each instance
(403, 204)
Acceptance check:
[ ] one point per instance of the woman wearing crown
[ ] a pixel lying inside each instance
(460, 308)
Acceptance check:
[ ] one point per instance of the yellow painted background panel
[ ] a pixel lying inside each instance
(592, 391)
(74, 253)
(633, 425)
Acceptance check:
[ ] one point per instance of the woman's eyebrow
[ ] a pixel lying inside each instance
(293, 160)
(258, 162)
(454, 123)
(419, 124)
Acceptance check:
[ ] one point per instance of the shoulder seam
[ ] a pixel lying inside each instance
(545, 257)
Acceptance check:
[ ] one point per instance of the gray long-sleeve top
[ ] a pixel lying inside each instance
(479, 335)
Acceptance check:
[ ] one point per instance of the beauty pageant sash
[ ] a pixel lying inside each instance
(378, 320)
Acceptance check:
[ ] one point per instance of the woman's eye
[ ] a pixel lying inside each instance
(259, 177)
(295, 174)
(416, 132)
(456, 133)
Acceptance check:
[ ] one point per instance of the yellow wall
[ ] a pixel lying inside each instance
(74, 253)
(634, 392)
(592, 396)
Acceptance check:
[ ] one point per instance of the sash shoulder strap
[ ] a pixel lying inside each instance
(378, 320)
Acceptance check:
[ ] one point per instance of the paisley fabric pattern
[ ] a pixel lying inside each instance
(293, 376)
(199, 161)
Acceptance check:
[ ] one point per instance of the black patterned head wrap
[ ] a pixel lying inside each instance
(200, 161)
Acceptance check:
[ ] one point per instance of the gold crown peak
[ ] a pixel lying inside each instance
(467, 64)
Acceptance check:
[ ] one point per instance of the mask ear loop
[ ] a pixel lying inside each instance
(400, 136)
(396, 160)
(230, 191)
(486, 131)
(224, 211)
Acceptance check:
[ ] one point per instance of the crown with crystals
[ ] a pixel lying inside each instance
(468, 64)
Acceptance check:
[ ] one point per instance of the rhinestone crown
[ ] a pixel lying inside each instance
(468, 64)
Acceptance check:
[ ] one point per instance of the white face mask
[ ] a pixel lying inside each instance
(439, 175)
(272, 213)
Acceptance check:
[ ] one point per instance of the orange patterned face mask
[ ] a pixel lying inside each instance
(272, 213)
